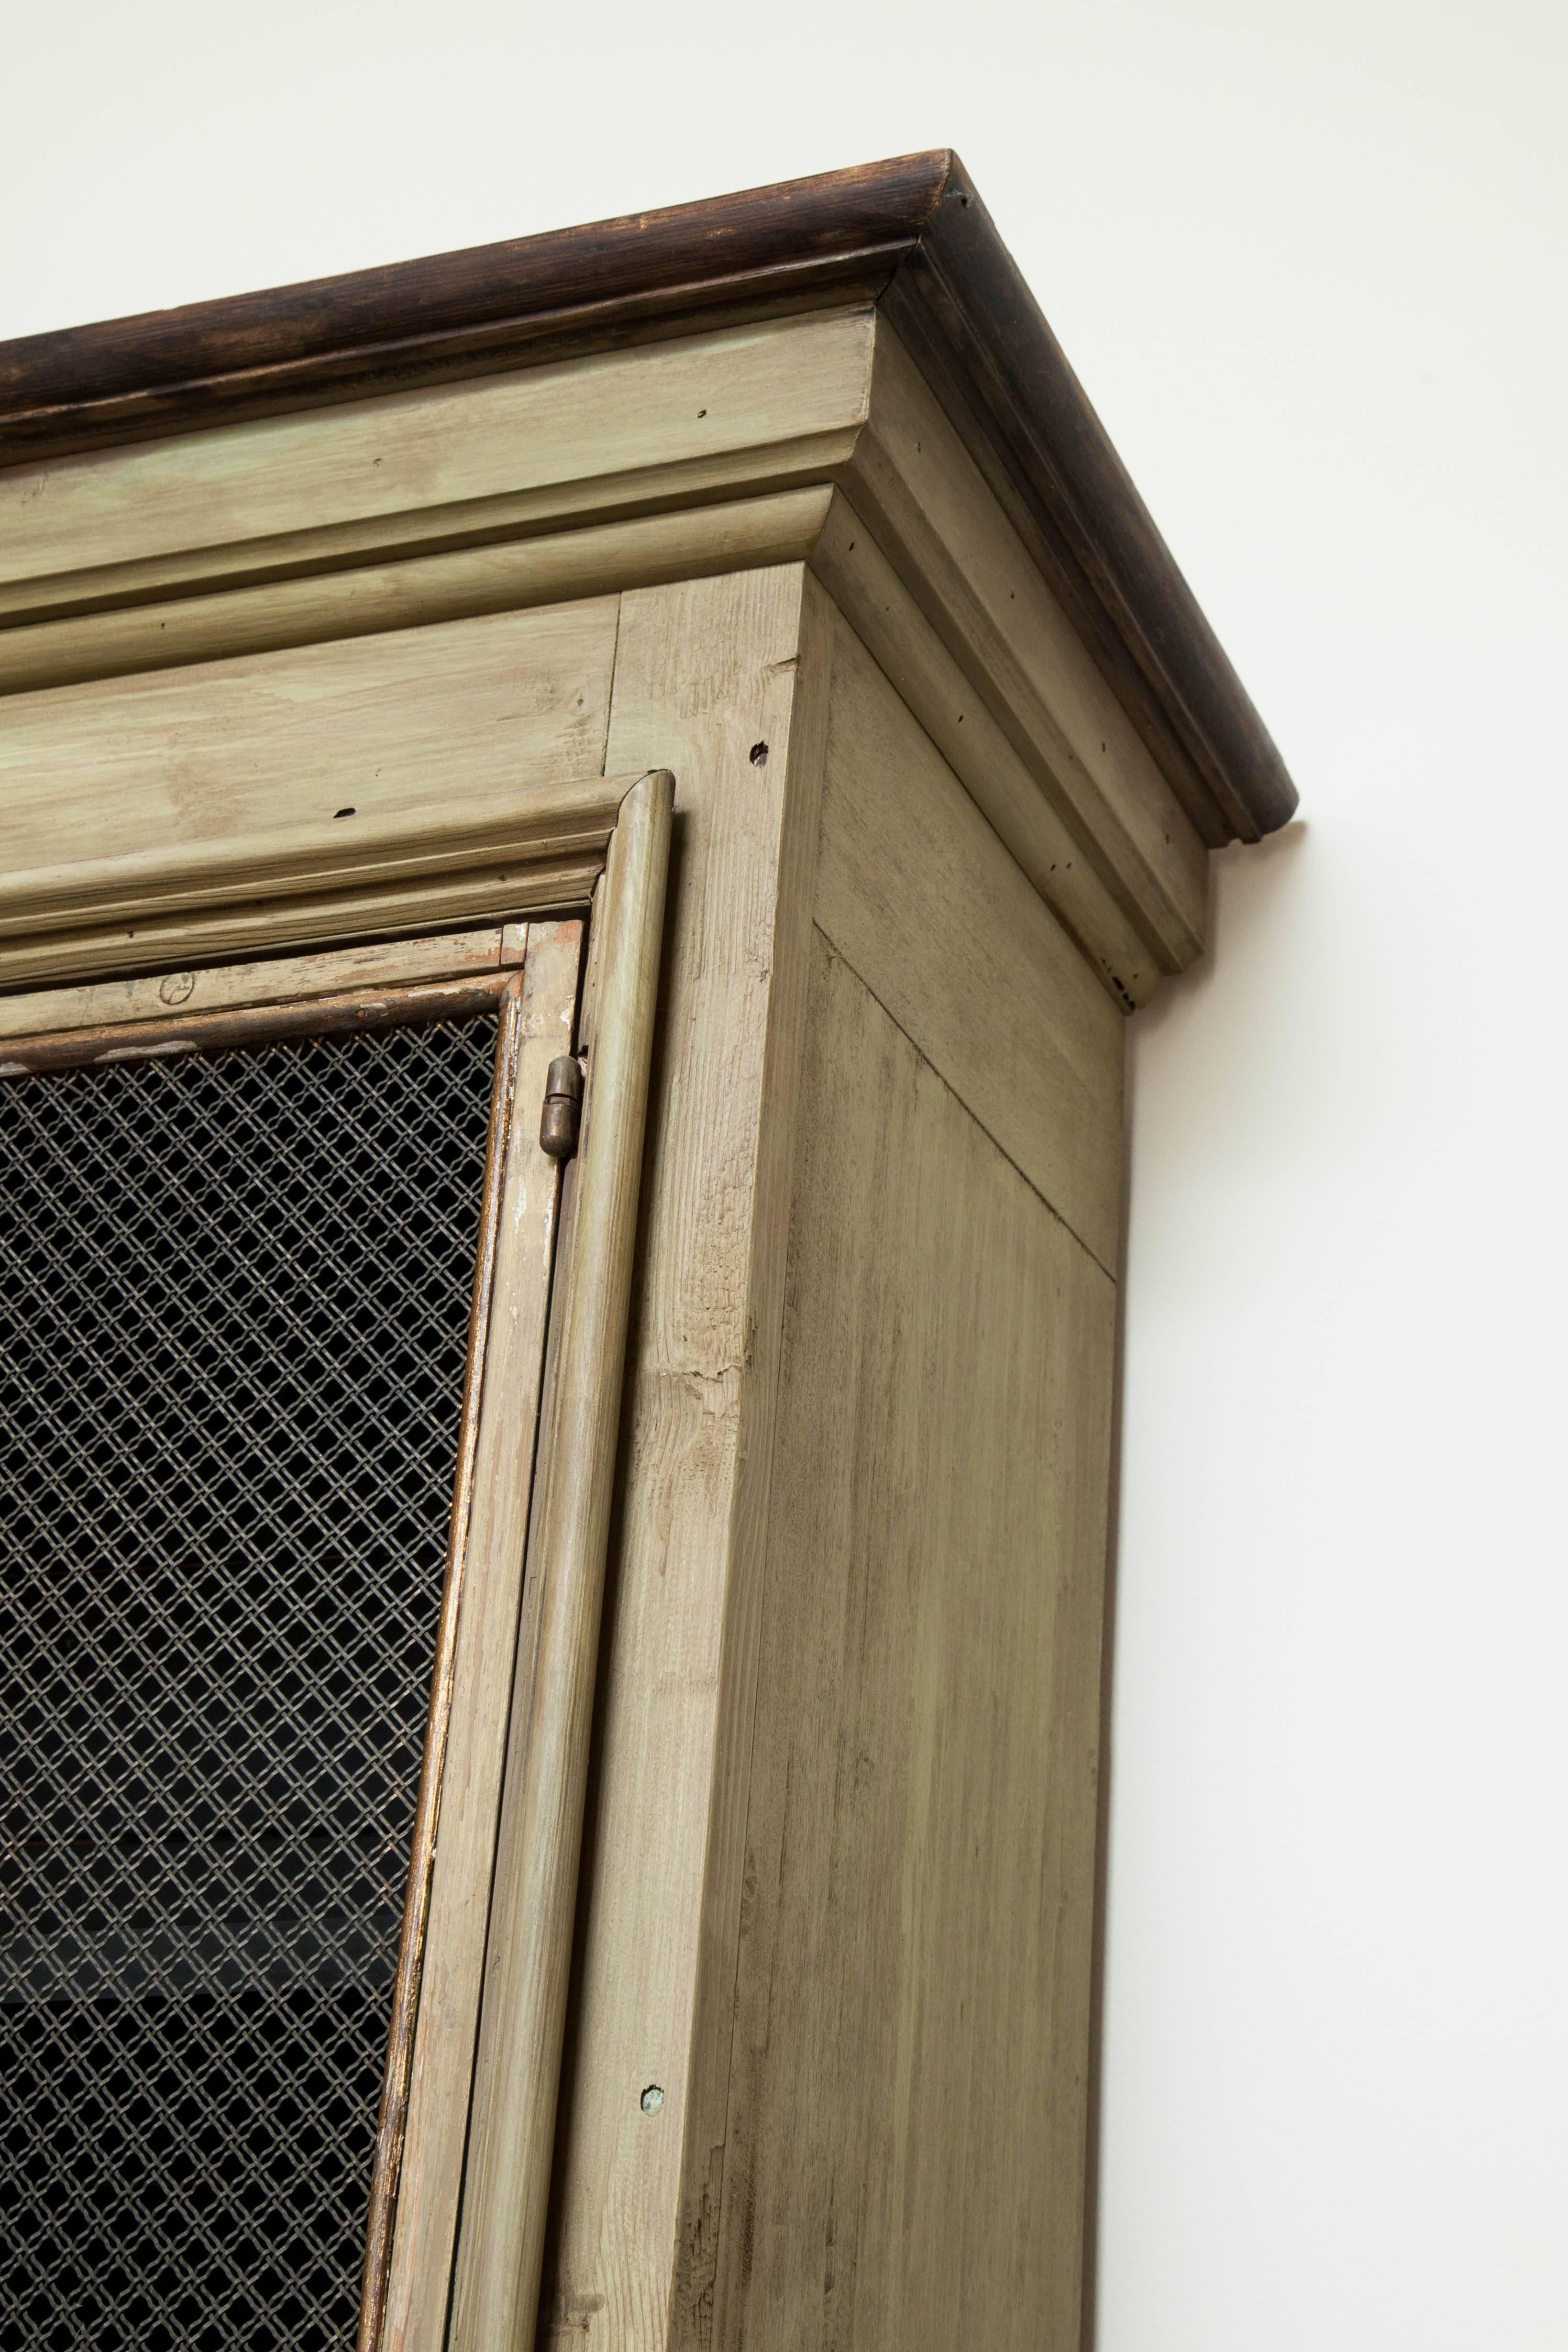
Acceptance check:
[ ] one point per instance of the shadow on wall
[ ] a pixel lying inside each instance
(1248, 884)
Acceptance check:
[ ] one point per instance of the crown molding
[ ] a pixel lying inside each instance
(911, 235)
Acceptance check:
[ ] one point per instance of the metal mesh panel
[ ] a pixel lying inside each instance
(234, 1306)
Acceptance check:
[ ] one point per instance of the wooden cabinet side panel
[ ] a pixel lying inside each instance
(920, 896)
(905, 2147)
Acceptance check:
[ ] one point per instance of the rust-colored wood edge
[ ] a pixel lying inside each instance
(365, 917)
(386, 2171)
(911, 232)
(108, 1042)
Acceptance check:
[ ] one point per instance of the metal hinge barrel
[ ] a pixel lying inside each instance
(561, 1116)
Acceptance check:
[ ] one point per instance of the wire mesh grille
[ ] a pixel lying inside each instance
(234, 1306)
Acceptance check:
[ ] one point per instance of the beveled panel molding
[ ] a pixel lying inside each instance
(538, 847)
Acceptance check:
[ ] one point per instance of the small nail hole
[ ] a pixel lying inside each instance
(338, 812)
(759, 755)
(652, 2099)
(703, 412)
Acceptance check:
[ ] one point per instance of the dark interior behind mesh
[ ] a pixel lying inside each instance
(233, 1308)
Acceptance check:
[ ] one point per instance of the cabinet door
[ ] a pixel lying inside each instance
(275, 1294)
(251, 1512)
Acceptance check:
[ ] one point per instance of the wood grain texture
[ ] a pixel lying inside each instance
(919, 896)
(369, 599)
(1062, 780)
(912, 232)
(474, 1675)
(507, 2180)
(723, 1883)
(710, 671)
(382, 848)
(1004, 786)
(832, 398)
(687, 421)
(378, 725)
(904, 2162)
(281, 981)
(914, 482)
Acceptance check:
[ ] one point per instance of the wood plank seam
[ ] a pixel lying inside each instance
(824, 2001)
(967, 1108)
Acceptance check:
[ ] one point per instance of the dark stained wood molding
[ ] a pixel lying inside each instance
(911, 233)
(960, 302)
(493, 306)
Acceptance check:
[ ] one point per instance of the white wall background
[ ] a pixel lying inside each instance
(1308, 256)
